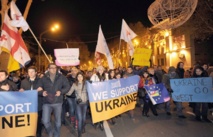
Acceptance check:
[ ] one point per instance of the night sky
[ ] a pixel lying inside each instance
(81, 18)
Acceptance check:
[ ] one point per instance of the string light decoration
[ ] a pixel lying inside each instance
(169, 14)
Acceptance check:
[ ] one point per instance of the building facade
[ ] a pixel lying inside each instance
(170, 47)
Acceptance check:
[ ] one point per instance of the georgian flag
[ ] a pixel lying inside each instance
(12, 41)
(17, 18)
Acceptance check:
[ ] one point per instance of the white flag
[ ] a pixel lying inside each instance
(103, 48)
(127, 35)
(17, 18)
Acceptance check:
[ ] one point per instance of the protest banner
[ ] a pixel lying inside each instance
(18, 113)
(192, 89)
(141, 57)
(67, 57)
(111, 98)
(157, 93)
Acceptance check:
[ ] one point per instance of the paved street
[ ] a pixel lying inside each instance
(153, 126)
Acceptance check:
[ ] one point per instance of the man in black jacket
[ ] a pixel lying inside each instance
(72, 98)
(31, 83)
(5, 84)
(54, 86)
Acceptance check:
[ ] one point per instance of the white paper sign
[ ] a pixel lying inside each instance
(67, 57)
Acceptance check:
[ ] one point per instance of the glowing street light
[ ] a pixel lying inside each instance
(54, 28)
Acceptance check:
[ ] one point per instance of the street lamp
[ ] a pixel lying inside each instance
(54, 28)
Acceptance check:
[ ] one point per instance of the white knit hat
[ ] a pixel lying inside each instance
(99, 68)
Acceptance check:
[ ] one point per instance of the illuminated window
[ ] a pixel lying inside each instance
(162, 62)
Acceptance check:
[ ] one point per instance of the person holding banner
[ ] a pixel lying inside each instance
(129, 73)
(112, 76)
(205, 68)
(31, 83)
(5, 84)
(152, 73)
(118, 75)
(146, 80)
(166, 81)
(81, 100)
(54, 86)
(198, 73)
(97, 77)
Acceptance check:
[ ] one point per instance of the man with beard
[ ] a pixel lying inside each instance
(54, 86)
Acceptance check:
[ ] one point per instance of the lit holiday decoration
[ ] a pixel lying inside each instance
(168, 14)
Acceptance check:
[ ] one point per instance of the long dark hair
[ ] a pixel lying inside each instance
(84, 79)
(178, 65)
(148, 76)
(110, 71)
(200, 68)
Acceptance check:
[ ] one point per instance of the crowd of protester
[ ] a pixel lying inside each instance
(62, 91)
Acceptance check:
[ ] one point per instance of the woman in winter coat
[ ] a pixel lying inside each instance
(201, 108)
(81, 100)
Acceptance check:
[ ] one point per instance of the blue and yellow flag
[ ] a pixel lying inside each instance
(18, 113)
(111, 98)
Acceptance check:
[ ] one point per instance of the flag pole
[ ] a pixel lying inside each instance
(67, 45)
(40, 45)
(119, 52)
(26, 12)
(120, 45)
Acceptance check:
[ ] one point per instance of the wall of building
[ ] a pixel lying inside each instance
(204, 51)
(4, 58)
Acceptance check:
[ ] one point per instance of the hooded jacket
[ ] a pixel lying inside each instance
(166, 78)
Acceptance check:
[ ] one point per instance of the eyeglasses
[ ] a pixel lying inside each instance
(52, 68)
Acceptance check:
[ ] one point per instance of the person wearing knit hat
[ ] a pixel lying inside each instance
(166, 80)
(171, 69)
(100, 68)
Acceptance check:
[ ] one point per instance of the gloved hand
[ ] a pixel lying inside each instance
(170, 90)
